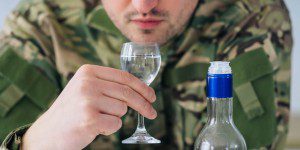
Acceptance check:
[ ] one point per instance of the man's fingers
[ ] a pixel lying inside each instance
(122, 77)
(131, 97)
(111, 106)
(108, 124)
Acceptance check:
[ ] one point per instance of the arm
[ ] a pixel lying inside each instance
(93, 100)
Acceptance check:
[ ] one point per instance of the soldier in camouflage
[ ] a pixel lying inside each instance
(45, 44)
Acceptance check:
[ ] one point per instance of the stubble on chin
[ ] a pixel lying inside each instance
(147, 32)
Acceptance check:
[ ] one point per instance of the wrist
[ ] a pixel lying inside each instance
(25, 142)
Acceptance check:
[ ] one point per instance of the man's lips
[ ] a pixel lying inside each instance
(147, 23)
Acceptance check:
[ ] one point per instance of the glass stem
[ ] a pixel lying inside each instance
(140, 125)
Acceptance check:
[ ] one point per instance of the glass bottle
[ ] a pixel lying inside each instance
(219, 133)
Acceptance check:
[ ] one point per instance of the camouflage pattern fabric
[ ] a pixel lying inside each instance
(54, 38)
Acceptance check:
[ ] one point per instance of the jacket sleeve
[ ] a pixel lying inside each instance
(29, 81)
(14, 139)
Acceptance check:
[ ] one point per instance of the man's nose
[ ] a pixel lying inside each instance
(144, 6)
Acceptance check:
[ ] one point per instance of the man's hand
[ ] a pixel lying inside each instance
(91, 104)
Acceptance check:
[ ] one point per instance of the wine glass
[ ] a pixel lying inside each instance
(143, 61)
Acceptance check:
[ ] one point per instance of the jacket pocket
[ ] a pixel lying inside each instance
(253, 104)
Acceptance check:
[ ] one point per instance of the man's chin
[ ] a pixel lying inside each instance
(138, 35)
(148, 39)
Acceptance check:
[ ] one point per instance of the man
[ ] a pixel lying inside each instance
(47, 45)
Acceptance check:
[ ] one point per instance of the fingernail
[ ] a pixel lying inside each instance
(154, 113)
(153, 98)
(120, 123)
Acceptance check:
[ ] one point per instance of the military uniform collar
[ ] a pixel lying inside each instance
(99, 20)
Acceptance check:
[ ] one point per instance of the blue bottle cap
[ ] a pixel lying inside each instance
(219, 80)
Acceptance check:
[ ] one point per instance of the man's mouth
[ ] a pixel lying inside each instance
(147, 23)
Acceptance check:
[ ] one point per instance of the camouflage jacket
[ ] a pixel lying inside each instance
(45, 41)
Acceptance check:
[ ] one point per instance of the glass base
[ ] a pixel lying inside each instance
(141, 138)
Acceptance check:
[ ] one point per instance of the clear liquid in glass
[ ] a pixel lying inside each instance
(144, 67)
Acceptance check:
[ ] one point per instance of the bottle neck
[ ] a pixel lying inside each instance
(219, 110)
